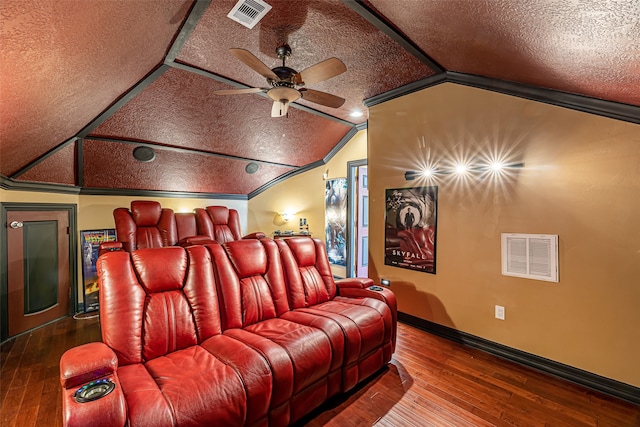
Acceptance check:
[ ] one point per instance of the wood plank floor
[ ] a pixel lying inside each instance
(430, 382)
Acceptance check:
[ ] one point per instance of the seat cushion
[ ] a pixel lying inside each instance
(373, 326)
(189, 387)
(254, 370)
(309, 348)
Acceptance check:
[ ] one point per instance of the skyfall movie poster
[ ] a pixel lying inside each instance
(410, 228)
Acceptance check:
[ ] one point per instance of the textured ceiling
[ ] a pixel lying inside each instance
(83, 83)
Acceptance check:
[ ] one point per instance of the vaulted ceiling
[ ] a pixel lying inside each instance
(83, 84)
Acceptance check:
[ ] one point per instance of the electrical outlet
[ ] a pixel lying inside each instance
(499, 312)
(385, 282)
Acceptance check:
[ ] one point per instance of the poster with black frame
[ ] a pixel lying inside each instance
(90, 242)
(410, 228)
(335, 198)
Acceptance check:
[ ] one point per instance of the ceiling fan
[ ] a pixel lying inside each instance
(286, 85)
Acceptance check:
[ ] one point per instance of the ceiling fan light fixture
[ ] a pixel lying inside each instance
(285, 82)
(280, 108)
(283, 94)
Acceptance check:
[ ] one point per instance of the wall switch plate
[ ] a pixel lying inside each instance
(499, 312)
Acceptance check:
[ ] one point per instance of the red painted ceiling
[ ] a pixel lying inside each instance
(83, 83)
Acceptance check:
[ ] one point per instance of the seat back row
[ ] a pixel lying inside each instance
(251, 332)
(148, 225)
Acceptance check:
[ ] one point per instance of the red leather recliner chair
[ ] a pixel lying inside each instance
(146, 225)
(222, 224)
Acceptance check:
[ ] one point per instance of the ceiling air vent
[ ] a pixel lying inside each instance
(532, 256)
(249, 12)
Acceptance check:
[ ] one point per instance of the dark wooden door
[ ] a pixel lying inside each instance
(38, 268)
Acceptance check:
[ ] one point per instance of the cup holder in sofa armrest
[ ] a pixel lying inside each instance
(94, 390)
(375, 288)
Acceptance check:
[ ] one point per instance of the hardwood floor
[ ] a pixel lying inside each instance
(430, 382)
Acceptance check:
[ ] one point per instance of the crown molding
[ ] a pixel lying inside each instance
(600, 107)
(43, 187)
(158, 193)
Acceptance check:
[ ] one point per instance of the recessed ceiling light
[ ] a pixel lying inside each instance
(356, 113)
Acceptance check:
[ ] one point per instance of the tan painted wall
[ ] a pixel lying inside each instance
(581, 181)
(304, 195)
(7, 196)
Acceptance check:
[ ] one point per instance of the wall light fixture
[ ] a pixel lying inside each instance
(461, 169)
(286, 216)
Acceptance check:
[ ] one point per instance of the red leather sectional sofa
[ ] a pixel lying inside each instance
(250, 332)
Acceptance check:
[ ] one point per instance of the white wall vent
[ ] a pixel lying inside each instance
(249, 12)
(532, 256)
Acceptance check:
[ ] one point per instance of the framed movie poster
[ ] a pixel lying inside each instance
(90, 241)
(335, 198)
(410, 228)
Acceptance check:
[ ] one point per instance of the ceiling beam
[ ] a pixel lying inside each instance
(189, 25)
(120, 102)
(345, 139)
(406, 89)
(601, 107)
(377, 21)
(284, 177)
(222, 79)
(41, 187)
(190, 151)
(158, 193)
(44, 157)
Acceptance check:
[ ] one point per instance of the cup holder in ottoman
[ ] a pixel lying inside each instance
(94, 390)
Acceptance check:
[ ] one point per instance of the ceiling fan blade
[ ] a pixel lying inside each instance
(279, 109)
(237, 91)
(253, 62)
(322, 98)
(321, 71)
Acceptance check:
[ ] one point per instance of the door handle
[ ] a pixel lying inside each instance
(15, 224)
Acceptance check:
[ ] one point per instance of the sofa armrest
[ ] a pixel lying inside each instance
(195, 240)
(364, 288)
(381, 293)
(354, 283)
(85, 363)
(80, 366)
(256, 235)
(107, 411)
(109, 247)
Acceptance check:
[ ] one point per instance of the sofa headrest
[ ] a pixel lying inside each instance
(160, 269)
(219, 214)
(249, 257)
(304, 250)
(146, 213)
